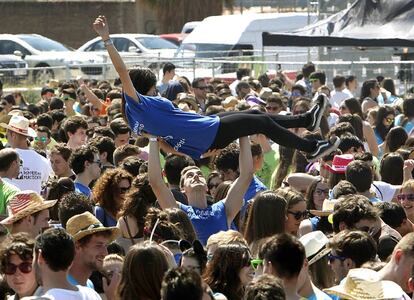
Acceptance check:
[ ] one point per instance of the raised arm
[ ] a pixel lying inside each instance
(163, 193)
(102, 28)
(234, 199)
(92, 98)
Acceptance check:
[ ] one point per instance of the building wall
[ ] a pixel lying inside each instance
(70, 22)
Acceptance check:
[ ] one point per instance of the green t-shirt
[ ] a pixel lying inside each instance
(270, 161)
(7, 191)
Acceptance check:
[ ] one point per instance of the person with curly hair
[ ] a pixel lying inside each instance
(132, 215)
(109, 195)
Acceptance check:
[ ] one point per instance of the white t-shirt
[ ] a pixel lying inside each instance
(338, 96)
(34, 171)
(385, 191)
(83, 293)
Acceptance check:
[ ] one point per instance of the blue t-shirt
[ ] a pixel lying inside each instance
(255, 187)
(73, 281)
(378, 137)
(186, 132)
(103, 217)
(207, 221)
(83, 189)
(408, 126)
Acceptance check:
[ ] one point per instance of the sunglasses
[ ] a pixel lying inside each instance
(408, 197)
(124, 190)
(319, 192)
(299, 214)
(41, 139)
(389, 120)
(255, 263)
(24, 267)
(332, 258)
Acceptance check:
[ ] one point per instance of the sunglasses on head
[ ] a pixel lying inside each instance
(24, 267)
(408, 197)
(299, 214)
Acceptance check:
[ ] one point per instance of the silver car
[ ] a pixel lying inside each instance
(39, 51)
(12, 69)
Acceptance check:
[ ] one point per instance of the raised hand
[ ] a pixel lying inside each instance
(101, 27)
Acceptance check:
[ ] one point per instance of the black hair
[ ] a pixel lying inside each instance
(73, 204)
(181, 283)
(143, 79)
(359, 173)
(174, 164)
(57, 248)
(242, 72)
(228, 158)
(45, 120)
(168, 67)
(338, 81)
(80, 156)
(350, 141)
(104, 144)
(391, 213)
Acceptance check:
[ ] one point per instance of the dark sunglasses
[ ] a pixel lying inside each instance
(124, 190)
(299, 214)
(321, 191)
(408, 197)
(332, 258)
(24, 267)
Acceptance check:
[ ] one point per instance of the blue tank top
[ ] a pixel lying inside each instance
(186, 132)
(207, 221)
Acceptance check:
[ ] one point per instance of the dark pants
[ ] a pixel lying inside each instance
(235, 124)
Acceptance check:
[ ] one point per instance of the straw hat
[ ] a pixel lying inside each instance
(365, 284)
(85, 224)
(315, 245)
(25, 203)
(339, 163)
(327, 208)
(20, 125)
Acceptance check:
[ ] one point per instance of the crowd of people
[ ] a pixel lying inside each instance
(260, 188)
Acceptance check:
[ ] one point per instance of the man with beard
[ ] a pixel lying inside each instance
(53, 255)
(91, 240)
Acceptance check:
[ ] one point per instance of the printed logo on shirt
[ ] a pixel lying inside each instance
(138, 127)
(26, 173)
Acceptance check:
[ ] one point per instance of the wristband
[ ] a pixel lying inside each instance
(153, 139)
(108, 42)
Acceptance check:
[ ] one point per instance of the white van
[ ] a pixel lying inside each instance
(220, 36)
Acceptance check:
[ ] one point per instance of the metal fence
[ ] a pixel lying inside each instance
(219, 66)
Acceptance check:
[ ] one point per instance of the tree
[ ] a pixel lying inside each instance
(173, 14)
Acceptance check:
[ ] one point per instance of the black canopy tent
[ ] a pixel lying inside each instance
(366, 23)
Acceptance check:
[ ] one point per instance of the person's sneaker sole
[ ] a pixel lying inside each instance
(318, 113)
(334, 146)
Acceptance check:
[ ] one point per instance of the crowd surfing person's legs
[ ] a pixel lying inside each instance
(237, 124)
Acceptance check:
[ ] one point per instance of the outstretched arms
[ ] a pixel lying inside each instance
(102, 28)
(163, 193)
(234, 199)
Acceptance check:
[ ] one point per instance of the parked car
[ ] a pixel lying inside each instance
(12, 68)
(39, 51)
(133, 47)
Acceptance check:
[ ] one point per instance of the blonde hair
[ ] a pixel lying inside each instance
(226, 237)
(408, 185)
(112, 258)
